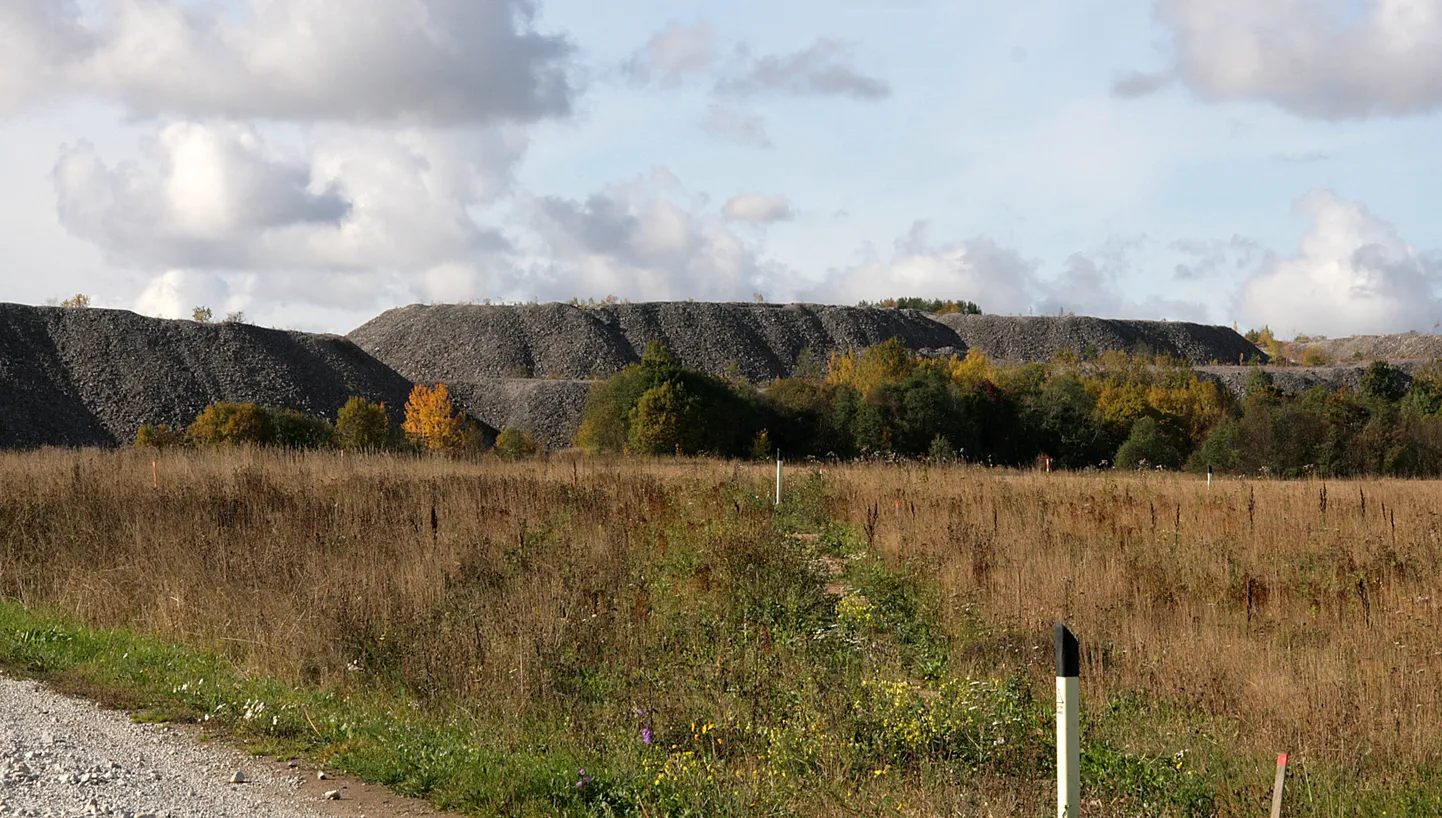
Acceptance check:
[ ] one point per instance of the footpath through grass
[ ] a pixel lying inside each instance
(725, 658)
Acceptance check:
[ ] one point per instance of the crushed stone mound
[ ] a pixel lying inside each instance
(1029, 339)
(458, 344)
(93, 377)
(1414, 346)
(549, 409)
(1293, 380)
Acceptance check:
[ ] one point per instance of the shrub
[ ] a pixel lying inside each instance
(202, 314)
(1146, 446)
(160, 436)
(297, 430)
(1314, 356)
(432, 422)
(79, 301)
(514, 444)
(363, 425)
(231, 424)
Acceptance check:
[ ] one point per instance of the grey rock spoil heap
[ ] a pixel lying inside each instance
(1400, 347)
(92, 377)
(1038, 338)
(471, 343)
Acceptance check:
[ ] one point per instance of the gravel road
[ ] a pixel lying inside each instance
(63, 757)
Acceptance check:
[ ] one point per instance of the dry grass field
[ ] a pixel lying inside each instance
(591, 637)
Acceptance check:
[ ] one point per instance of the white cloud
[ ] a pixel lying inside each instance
(176, 293)
(736, 126)
(1354, 275)
(675, 54)
(825, 68)
(758, 208)
(1331, 60)
(431, 61)
(642, 240)
(218, 196)
(977, 269)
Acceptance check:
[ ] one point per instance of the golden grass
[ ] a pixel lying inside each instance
(1304, 612)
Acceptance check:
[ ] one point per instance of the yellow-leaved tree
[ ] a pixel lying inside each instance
(432, 421)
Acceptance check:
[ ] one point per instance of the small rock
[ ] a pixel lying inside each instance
(239, 777)
(320, 775)
(292, 764)
(332, 795)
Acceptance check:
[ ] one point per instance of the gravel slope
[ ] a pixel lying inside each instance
(1037, 338)
(91, 377)
(1291, 380)
(549, 409)
(472, 343)
(65, 757)
(1405, 346)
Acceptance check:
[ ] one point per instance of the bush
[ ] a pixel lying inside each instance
(514, 444)
(231, 424)
(1147, 446)
(160, 436)
(297, 430)
(363, 425)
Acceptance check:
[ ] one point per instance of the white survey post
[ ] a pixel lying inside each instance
(778, 477)
(1068, 724)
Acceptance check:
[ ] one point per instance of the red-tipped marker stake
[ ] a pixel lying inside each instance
(1277, 786)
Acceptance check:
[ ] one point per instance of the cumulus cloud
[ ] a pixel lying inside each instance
(353, 220)
(675, 54)
(758, 208)
(736, 126)
(977, 269)
(823, 69)
(1354, 275)
(426, 61)
(642, 239)
(1331, 60)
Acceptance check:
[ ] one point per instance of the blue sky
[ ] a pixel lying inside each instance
(311, 164)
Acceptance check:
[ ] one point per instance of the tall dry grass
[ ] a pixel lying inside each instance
(1305, 614)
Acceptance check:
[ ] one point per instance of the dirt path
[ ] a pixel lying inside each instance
(61, 756)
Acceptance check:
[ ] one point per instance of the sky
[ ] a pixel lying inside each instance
(312, 163)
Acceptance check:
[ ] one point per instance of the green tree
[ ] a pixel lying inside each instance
(202, 314)
(297, 430)
(363, 425)
(514, 444)
(665, 421)
(1147, 446)
(1384, 382)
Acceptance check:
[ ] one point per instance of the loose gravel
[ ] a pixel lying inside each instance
(549, 409)
(1026, 339)
(472, 343)
(1367, 348)
(66, 757)
(92, 377)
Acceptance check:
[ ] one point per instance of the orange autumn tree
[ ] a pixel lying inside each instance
(432, 421)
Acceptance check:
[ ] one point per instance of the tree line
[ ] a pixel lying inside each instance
(1118, 410)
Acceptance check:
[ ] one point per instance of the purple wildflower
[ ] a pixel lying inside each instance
(646, 735)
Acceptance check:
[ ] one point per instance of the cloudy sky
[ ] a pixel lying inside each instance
(314, 162)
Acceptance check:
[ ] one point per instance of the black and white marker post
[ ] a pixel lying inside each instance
(1068, 724)
(778, 478)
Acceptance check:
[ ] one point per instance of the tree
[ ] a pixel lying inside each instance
(79, 301)
(231, 424)
(363, 425)
(514, 444)
(158, 437)
(297, 430)
(1383, 382)
(1147, 446)
(237, 317)
(665, 421)
(202, 314)
(432, 421)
